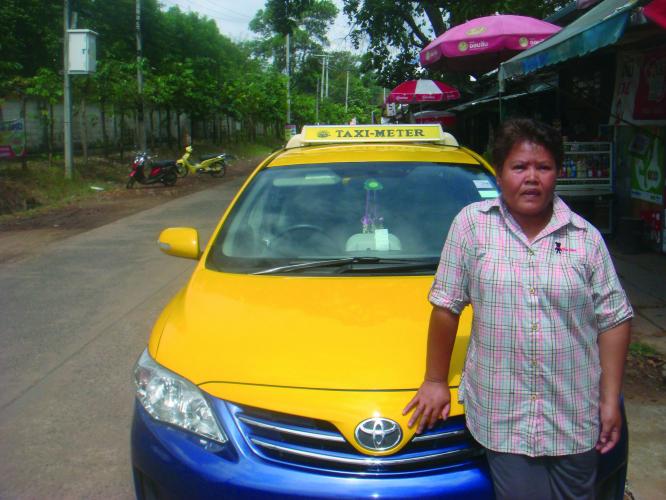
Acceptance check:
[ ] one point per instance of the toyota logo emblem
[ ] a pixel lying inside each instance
(378, 434)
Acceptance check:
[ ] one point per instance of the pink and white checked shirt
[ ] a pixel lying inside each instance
(531, 378)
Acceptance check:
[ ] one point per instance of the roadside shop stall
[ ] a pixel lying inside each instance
(639, 122)
(444, 118)
(587, 181)
(611, 65)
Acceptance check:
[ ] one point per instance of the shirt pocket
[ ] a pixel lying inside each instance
(496, 279)
(564, 280)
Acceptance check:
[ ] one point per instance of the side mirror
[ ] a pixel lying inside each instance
(180, 242)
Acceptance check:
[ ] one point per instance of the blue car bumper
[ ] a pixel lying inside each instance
(170, 463)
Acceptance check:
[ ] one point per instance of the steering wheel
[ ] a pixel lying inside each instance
(321, 239)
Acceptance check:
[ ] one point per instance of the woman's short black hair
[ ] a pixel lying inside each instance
(517, 130)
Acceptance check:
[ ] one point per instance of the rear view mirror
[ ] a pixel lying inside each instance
(180, 242)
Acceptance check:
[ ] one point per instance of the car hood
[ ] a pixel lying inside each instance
(344, 333)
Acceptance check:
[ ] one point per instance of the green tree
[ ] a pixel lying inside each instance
(189, 67)
(46, 86)
(397, 30)
(306, 21)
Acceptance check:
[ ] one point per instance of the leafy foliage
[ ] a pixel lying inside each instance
(397, 30)
(188, 65)
(307, 22)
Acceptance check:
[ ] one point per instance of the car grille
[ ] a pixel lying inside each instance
(317, 444)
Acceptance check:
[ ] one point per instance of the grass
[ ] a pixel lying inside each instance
(40, 186)
(642, 350)
(252, 150)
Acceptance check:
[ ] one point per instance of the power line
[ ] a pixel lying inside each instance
(203, 9)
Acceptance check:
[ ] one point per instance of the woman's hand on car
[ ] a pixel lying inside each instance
(431, 402)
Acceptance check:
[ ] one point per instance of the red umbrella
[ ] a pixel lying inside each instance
(423, 91)
(481, 44)
(655, 11)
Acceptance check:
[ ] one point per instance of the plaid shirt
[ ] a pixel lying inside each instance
(531, 378)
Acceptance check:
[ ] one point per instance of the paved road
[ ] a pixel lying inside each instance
(75, 316)
(73, 319)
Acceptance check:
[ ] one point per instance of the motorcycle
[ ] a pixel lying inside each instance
(146, 171)
(213, 164)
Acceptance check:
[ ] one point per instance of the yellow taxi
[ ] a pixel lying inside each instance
(282, 368)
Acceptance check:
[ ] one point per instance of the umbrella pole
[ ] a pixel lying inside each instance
(500, 87)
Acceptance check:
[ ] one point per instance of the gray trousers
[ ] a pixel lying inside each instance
(519, 477)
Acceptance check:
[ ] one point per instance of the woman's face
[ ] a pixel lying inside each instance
(527, 180)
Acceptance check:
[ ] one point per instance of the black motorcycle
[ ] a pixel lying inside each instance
(146, 171)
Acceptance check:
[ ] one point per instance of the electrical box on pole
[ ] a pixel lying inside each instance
(82, 51)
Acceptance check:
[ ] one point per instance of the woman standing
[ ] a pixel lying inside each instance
(544, 367)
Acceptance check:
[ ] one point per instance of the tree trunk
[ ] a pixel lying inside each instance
(434, 15)
(44, 113)
(105, 136)
(159, 125)
(178, 131)
(152, 129)
(83, 123)
(228, 129)
(115, 125)
(24, 157)
(168, 128)
(121, 143)
(51, 134)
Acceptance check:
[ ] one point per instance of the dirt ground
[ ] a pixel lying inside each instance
(645, 380)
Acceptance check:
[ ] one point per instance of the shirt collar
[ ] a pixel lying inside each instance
(562, 214)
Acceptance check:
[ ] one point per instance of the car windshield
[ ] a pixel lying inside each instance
(383, 217)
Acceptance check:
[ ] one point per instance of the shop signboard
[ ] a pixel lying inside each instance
(640, 88)
(12, 139)
(647, 163)
(650, 102)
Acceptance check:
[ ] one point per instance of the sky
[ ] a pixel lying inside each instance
(233, 16)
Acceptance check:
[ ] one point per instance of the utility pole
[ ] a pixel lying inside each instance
(317, 103)
(141, 126)
(323, 75)
(67, 93)
(326, 77)
(288, 85)
(347, 91)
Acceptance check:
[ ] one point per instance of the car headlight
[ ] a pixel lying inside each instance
(174, 400)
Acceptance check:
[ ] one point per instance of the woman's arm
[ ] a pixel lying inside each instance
(433, 398)
(613, 345)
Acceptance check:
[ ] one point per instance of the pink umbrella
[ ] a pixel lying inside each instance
(481, 44)
(423, 91)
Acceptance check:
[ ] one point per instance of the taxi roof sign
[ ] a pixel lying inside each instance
(339, 134)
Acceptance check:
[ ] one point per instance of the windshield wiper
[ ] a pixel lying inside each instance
(392, 263)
